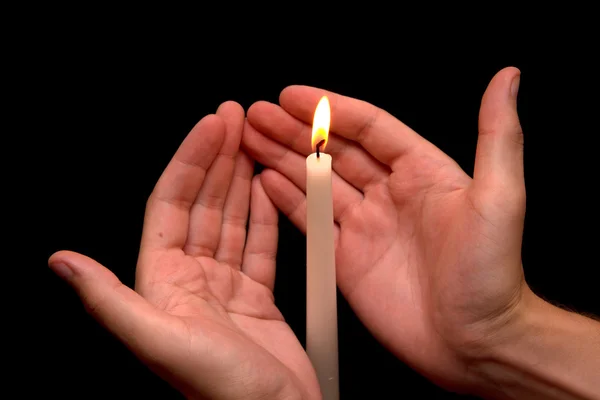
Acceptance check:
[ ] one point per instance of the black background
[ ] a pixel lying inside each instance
(104, 116)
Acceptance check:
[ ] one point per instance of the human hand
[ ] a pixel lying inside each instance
(203, 316)
(428, 258)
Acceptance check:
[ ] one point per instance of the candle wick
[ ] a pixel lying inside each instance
(321, 143)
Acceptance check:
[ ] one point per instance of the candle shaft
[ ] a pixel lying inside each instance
(321, 303)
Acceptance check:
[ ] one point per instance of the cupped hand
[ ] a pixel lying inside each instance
(428, 257)
(202, 315)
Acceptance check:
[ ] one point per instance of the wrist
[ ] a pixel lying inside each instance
(543, 352)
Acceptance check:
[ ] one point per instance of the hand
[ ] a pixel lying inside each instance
(202, 315)
(427, 257)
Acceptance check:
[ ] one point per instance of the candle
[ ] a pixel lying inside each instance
(321, 306)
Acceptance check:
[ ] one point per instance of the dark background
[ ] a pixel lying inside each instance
(106, 115)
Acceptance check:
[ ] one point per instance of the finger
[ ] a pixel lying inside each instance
(499, 157)
(207, 211)
(349, 159)
(291, 164)
(235, 213)
(140, 326)
(168, 208)
(288, 198)
(261, 249)
(498, 186)
(381, 134)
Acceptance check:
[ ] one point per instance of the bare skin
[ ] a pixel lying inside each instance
(202, 314)
(428, 257)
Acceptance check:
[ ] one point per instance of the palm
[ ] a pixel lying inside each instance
(192, 287)
(204, 316)
(400, 256)
(417, 238)
(211, 297)
(414, 246)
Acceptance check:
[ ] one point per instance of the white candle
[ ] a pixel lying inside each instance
(321, 304)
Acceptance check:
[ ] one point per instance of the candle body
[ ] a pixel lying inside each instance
(321, 303)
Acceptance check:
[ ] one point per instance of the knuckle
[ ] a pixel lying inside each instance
(518, 137)
(499, 197)
(513, 133)
(93, 304)
(511, 198)
(488, 131)
(365, 128)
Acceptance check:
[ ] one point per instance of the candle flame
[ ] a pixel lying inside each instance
(321, 120)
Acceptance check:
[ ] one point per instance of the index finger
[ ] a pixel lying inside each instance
(380, 133)
(168, 209)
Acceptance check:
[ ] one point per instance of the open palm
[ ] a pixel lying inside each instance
(428, 257)
(203, 315)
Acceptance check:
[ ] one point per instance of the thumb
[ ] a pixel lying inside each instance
(118, 308)
(499, 158)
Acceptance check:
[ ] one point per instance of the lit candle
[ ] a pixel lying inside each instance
(321, 305)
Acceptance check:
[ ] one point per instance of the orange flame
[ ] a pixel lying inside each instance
(320, 127)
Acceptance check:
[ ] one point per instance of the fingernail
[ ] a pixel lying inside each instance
(62, 270)
(514, 87)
